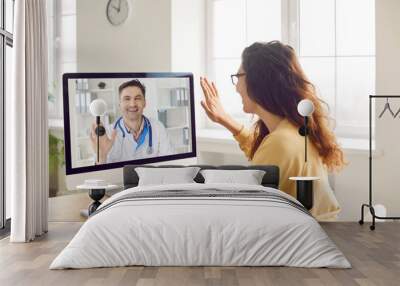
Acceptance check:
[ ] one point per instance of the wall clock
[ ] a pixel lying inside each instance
(117, 11)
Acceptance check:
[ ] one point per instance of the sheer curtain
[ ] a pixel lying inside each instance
(27, 123)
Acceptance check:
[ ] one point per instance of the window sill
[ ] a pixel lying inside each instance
(221, 140)
(216, 141)
(56, 124)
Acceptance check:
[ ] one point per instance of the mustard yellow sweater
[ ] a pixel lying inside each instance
(284, 147)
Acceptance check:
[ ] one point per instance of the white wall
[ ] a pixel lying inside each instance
(188, 44)
(387, 169)
(352, 184)
(142, 43)
(158, 36)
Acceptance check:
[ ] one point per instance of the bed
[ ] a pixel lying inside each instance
(198, 224)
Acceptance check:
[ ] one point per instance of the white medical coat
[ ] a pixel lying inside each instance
(125, 148)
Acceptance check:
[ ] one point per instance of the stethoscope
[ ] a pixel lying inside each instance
(147, 122)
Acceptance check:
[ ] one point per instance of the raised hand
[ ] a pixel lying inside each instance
(214, 109)
(212, 102)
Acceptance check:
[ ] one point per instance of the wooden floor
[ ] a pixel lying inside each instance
(67, 208)
(375, 257)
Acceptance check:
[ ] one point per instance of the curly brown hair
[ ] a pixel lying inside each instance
(276, 82)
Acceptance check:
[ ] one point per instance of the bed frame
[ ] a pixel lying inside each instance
(270, 179)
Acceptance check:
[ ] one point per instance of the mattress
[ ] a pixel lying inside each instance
(201, 225)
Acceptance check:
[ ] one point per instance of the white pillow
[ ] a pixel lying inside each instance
(163, 176)
(248, 177)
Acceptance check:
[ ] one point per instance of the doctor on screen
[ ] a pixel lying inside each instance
(133, 135)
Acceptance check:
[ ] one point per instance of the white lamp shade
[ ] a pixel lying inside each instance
(98, 107)
(305, 107)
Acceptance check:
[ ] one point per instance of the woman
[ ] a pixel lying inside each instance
(271, 84)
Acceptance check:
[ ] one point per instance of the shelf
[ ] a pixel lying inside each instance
(177, 127)
(83, 138)
(56, 124)
(181, 146)
(85, 162)
(101, 90)
(86, 114)
(173, 107)
(173, 87)
(95, 90)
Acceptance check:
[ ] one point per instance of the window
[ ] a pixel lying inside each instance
(335, 41)
(61, 29)
(336, 47)
(6, 43)
(233, 25)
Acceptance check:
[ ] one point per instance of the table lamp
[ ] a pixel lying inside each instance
(304, 185)
(305, 109)
(98, 107)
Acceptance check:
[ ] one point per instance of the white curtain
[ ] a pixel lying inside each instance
(28, 123)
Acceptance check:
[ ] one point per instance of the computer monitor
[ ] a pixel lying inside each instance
(143, 118)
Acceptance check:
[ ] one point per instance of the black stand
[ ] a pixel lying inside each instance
(303, 131)
(369, 205)
(304, 188)
(96, 195)
(100, 131)
(305, 193)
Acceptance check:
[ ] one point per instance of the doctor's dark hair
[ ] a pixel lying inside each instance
(133, 82)
(277, 83)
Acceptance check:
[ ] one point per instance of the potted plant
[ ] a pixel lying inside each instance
(56, 160)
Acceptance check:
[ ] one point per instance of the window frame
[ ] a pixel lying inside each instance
(290, 15)
(55, 17)
(210, 68)
(342, 130)
(6, 39)
(288, 35)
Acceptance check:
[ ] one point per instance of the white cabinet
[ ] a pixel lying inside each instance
(87, 90)
(174, 114)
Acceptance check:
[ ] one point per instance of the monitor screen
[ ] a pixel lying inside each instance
(115, 119)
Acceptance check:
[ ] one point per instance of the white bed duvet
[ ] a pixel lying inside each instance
(200, 224)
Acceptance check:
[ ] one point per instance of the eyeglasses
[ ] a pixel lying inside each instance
(235, 77)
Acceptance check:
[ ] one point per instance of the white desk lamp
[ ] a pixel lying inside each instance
(305, 109)
(304, 185)
(98, 108)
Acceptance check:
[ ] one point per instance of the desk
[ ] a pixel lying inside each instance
(96, 193)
